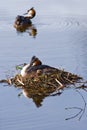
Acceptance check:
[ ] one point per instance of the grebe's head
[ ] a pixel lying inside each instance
(30, 13)
(35, 61)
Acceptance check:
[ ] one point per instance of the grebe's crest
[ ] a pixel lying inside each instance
(35, 61)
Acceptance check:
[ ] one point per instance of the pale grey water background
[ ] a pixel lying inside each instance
(61, 42)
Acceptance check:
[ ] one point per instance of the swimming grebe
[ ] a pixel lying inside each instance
(36, 67)
(22, 21)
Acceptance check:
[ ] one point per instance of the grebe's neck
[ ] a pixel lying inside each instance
(23, 71)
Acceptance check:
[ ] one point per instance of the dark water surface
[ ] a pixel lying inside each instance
(61, 41)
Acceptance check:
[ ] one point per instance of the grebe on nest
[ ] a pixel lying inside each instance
(23, 21)
(36, 67)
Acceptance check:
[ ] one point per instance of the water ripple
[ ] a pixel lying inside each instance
(62, 22)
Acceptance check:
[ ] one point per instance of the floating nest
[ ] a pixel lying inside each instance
(46, 83)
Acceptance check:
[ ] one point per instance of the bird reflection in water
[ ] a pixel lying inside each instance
(23, 23)
(32, 31)
(39, 94)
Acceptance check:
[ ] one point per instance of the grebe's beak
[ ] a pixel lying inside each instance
(28, 14)
(20, 66)
(25, 13)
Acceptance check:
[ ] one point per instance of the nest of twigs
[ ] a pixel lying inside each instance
(55, 80)
(58, 79)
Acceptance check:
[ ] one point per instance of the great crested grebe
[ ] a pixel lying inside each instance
(24, 20)
(35, 67)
